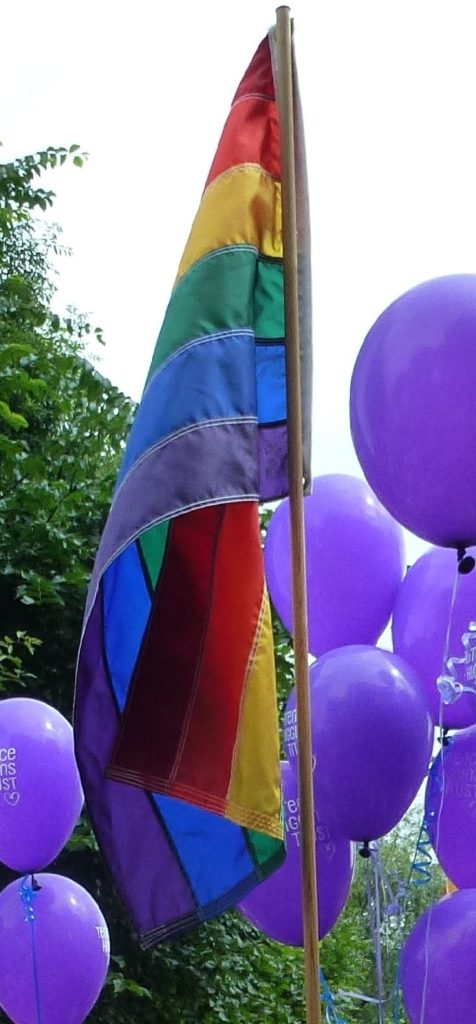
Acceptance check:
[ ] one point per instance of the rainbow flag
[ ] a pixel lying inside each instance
(175, 713)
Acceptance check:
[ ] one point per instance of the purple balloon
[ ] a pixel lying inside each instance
(275, 906)
(40, 789)
(450, 808)
(439, 962)
(71, 944)
(355, 562)
(412, 410)
(372, 739)
(420, 623)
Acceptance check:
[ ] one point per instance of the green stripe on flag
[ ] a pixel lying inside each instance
(153, 544)
(231, 289)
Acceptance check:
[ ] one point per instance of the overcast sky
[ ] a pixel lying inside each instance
(389, 104)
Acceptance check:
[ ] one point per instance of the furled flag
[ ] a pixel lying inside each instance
(175, 715)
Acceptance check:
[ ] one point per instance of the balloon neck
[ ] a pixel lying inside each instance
(466, 562)
(34, 883)
(365, 850)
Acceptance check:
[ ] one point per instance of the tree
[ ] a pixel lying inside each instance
(347, 952)
(62, 431)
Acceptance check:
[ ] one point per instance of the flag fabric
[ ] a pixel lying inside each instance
(175, 711)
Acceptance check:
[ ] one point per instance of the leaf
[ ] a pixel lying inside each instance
(13, 419)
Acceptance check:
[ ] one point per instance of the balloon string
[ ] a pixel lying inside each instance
(421, 871)
(28, 893)
(329, 1003)
(378, 938)
(396, 1000)
(442, 793)
(375, 919)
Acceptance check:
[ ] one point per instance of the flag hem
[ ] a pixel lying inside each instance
(243, 816)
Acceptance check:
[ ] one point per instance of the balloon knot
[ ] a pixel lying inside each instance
(28, 890)
(466, 562)
(365, 850)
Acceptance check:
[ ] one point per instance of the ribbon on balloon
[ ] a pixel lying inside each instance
(28, 890)
(329, 1004)
(421, 871)
(459, 676)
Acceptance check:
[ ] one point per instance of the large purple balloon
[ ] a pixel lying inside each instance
(439, 962)
(372, 738)
(355, 562)
(40, 789)
(71, 944)
(420, 623)
(412, 410)
(275, 906)
(450, 808)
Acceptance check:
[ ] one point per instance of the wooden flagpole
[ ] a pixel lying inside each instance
(284, 74)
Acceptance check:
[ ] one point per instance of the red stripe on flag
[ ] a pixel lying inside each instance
(160, 691)
(182, 715)
(258, 77)
(251, 135)
(237, 597)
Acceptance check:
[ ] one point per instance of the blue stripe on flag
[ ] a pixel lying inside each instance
(271, 383)
(125, 591)
(212, 850)
(209, 379)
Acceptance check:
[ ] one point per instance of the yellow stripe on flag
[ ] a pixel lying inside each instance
(255, 780)
(241, 207)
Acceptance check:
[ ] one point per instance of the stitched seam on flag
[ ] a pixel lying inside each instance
(235, 247)
(243, 816)
(250, 848)
(218, 335)
(155, 810)
(272, 424)
(172, 844)
(180, 433)
(107, 667)
(214, 907)
(171, 514)
(89, 805)
(253, 96)
(145, 570)
(249, 667)
(168, 930)
(231, 171)
(269, 342)
(198, 670)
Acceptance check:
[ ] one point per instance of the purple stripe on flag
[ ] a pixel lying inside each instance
(273, 462)
(143, 865)
(204, 465)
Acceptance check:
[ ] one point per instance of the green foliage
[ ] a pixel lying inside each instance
(13, 674)
(62, 430)
(62, 427)
(347, 952)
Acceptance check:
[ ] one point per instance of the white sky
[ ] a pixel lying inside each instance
(389, 104)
